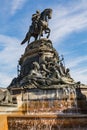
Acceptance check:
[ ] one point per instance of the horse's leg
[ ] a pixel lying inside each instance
(36, 37)
(41, 32)
(29, 35)
(48, 31)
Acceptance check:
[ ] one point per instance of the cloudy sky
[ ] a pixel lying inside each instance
(68, 34)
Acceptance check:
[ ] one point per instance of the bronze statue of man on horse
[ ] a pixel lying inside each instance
(39, 25)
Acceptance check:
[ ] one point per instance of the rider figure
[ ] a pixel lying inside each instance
(35, 19)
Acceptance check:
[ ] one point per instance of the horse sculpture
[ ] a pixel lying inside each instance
(42, 26)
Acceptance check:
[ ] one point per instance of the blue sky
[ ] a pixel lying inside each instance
(68, 34)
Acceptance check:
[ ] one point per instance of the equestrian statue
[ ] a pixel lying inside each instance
(39, 25)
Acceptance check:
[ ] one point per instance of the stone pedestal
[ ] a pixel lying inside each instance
(45, 94)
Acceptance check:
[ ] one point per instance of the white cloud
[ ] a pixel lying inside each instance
(68, 19)
(16, 5)
(76, 61)
(78, 71)
(10, 7)
(79, 75)
(5, 79)
(11, 50)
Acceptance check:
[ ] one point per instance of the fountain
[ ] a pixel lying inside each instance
(46, 96)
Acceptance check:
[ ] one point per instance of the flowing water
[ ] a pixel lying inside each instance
(50, 114)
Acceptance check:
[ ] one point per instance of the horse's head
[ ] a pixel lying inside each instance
(48, 12)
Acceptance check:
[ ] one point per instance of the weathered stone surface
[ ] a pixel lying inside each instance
(43, 76)
(37, 51)
(41, 64)
(48, 122)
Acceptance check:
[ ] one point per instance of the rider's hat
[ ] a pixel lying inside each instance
(37, 11)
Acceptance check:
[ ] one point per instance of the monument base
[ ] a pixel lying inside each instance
(47, 122)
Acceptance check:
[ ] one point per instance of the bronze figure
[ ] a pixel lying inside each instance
(39, 25)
